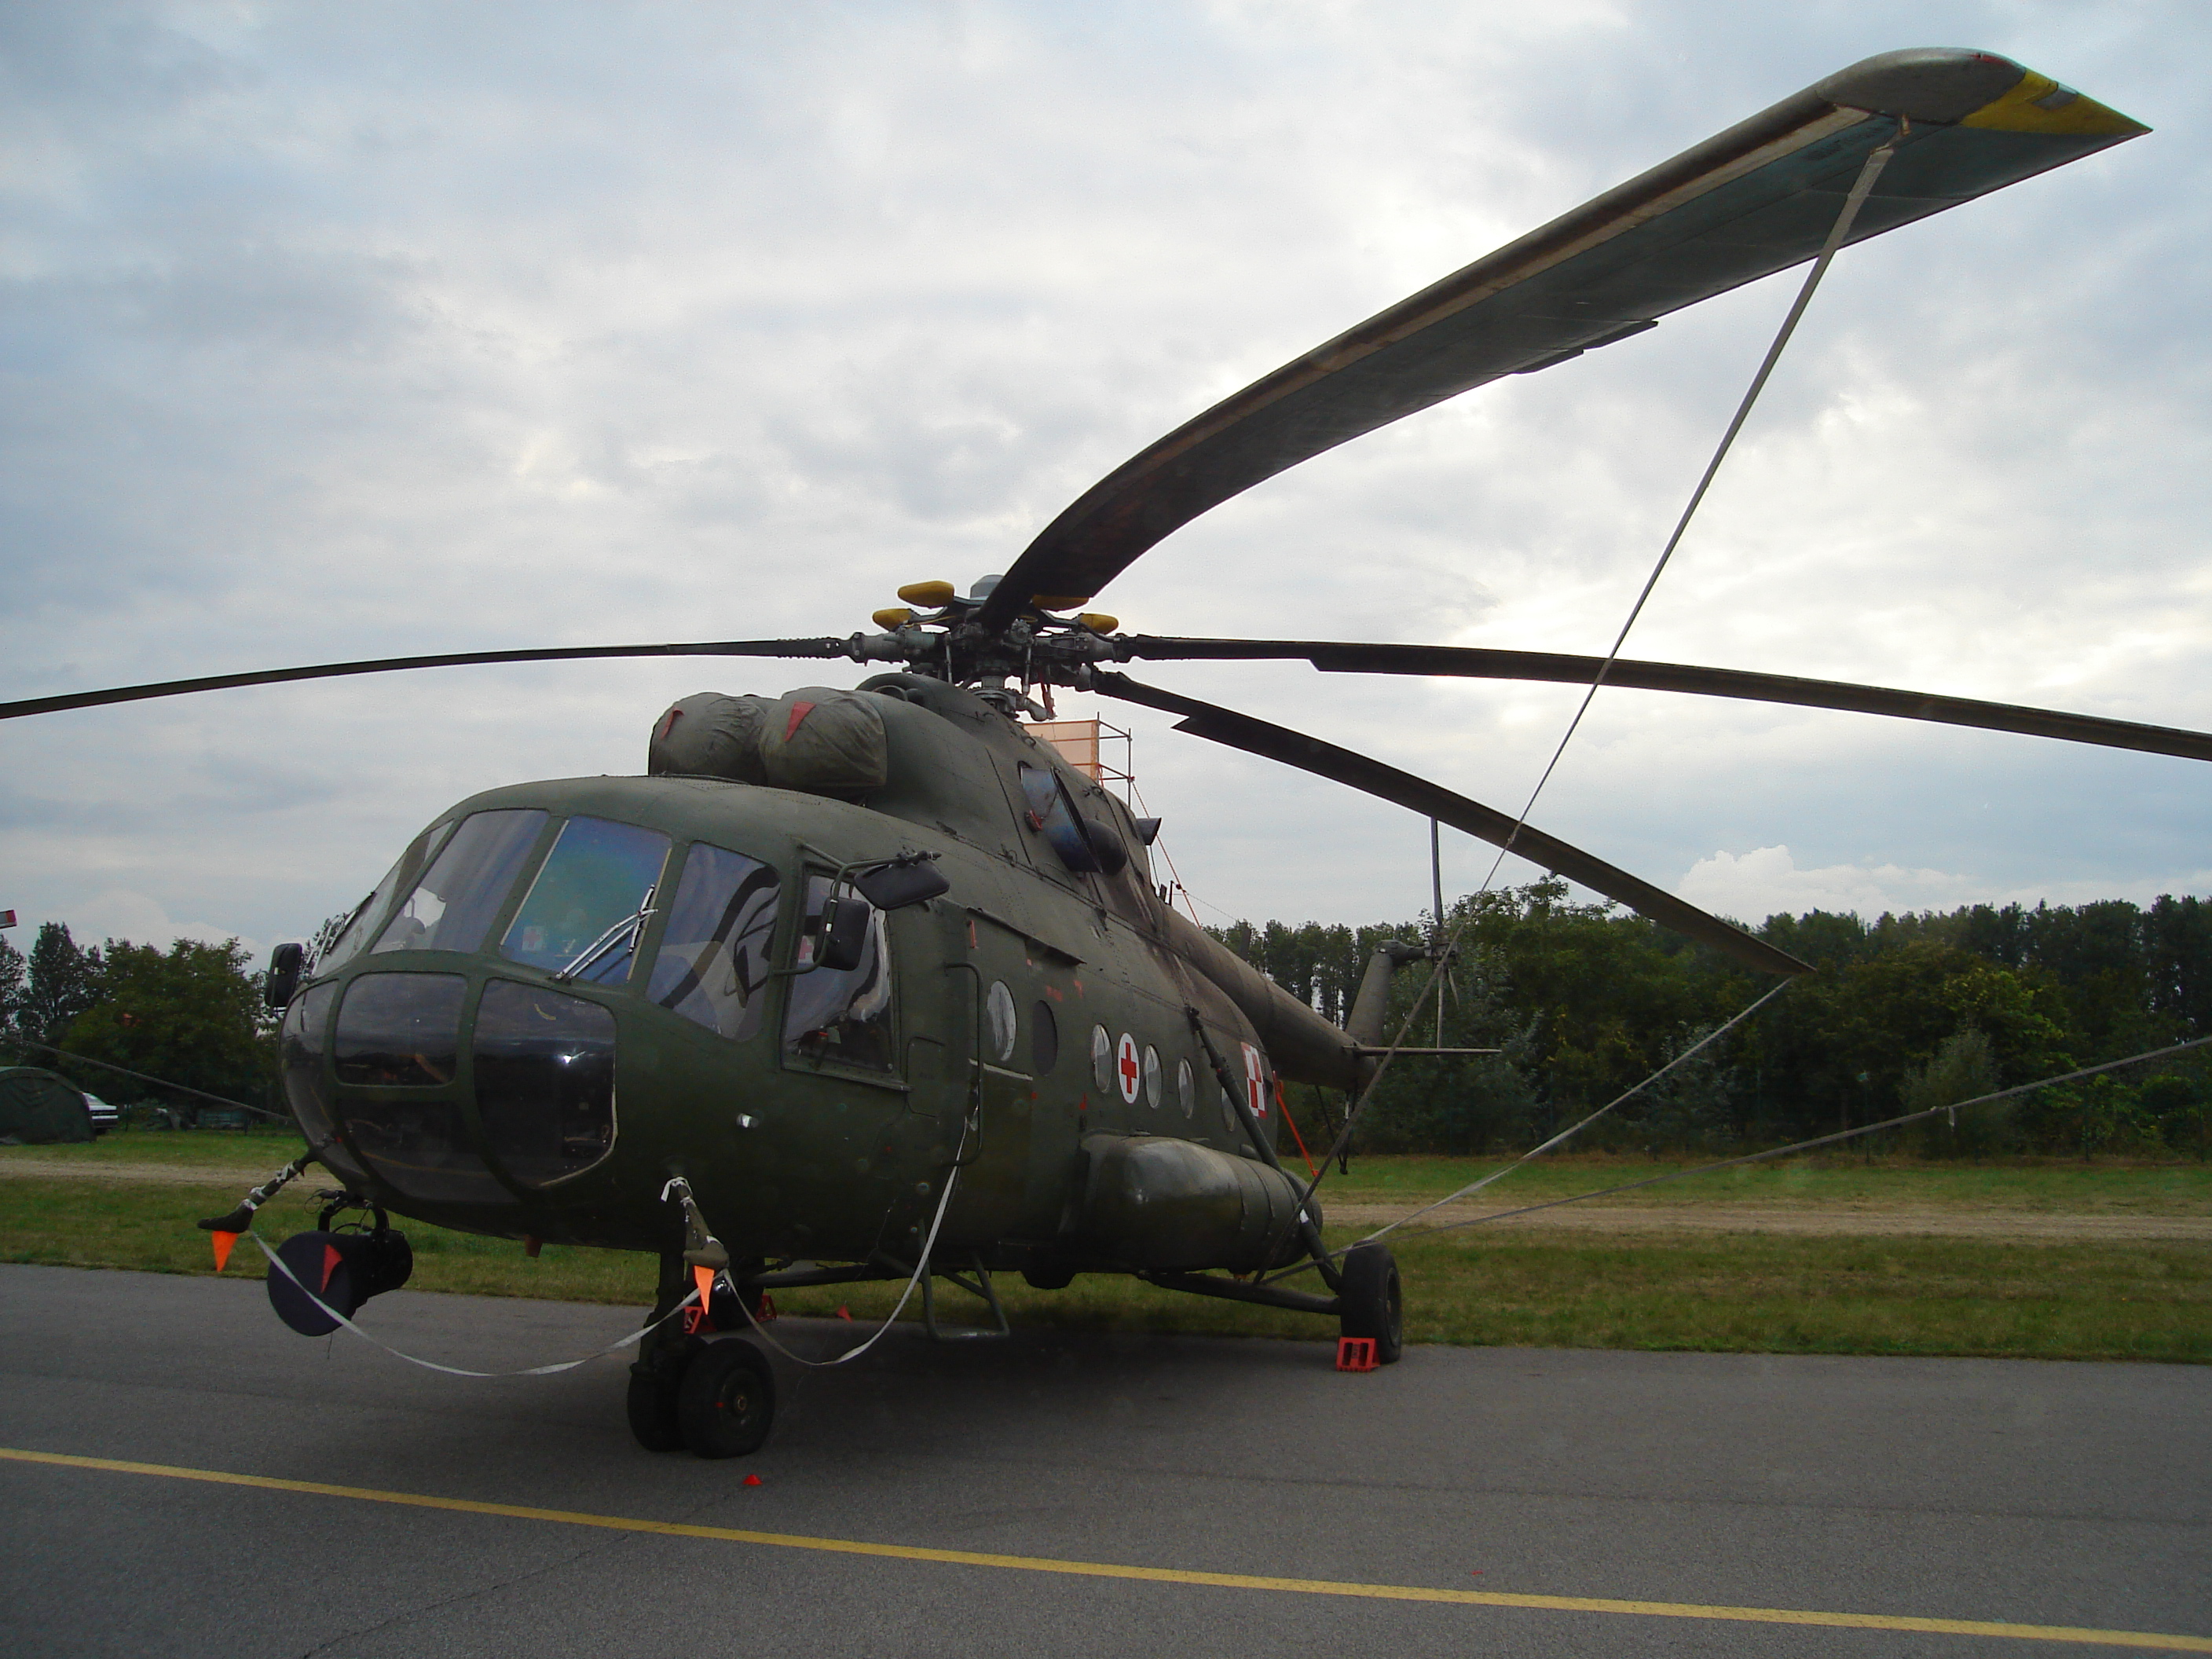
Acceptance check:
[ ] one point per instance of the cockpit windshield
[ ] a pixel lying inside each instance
(585, 910)
(451, 907)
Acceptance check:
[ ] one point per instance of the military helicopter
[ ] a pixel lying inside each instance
(871, 984)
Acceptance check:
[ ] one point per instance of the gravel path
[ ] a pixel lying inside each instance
(144, 1174)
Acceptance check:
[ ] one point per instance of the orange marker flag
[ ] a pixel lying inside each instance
(705, 1276)
(223, 1241)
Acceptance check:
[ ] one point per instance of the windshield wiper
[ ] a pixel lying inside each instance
(624, 932)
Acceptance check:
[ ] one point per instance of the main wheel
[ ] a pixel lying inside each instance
(727, 1400)
(651, 1406)
(654, 1381)
(1373, 1305)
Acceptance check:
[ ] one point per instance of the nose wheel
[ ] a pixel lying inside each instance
(726, 1401)
(711, 1398)
(654, 1381)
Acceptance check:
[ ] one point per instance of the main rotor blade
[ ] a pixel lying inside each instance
(1257, 736)
(1759, 197)
(822, 648)
(1339, 657)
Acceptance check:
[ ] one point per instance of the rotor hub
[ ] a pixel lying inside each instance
(946, 640)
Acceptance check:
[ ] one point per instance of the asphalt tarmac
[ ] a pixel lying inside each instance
(1111, 1496)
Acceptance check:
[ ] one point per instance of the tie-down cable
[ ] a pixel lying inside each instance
(1862, 187)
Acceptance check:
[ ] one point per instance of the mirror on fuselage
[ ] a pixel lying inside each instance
(894, 886)
(841, 1013)
(287, 963)
(842, 932)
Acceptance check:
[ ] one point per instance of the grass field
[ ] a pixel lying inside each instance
(2031, 1187)
(2038, 1186)
(1735, 1292)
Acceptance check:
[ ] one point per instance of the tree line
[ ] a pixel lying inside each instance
(1582, 1002)
(191, 1014)
(1585, 1001)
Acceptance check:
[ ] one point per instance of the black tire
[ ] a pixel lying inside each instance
(727, 1400)
(1374, 1303)
(654, 1384)
(651, 1406)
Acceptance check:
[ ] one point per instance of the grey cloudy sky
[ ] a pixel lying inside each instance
(337, 331)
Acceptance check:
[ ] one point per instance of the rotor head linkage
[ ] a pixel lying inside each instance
(936, 633)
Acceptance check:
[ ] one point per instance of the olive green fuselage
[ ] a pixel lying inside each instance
(792, 1147)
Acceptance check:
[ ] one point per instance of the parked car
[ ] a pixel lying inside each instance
(104, 1116)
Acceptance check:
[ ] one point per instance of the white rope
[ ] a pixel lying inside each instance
(1861, 188)
(1953, 1107)
(690, 1297)
(920, 1268)
(1472, 1187)
(285, 1268)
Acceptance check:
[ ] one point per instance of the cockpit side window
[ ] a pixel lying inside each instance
(451, 907)
(714, 963)
(841, 1016)
(585, 910)
(349, 943)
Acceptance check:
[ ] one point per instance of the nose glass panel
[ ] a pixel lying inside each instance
(400, 1032)
(544, 1066)
(300, 1046)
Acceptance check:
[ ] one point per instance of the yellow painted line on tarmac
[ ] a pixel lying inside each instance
(2079, 1637)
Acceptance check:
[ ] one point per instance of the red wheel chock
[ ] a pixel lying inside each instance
(1355, 1354)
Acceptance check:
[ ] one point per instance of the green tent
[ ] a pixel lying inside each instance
(37, 1107)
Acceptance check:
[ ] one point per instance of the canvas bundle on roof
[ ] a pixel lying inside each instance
(38, 1108)
(815, 738)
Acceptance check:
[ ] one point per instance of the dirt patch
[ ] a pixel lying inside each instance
(1829, 1221)
(148, 1175)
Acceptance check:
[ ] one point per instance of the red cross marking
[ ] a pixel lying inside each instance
(1126, 1063)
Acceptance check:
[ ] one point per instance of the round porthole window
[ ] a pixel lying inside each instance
(1186, 1088)
(1102, 1058)
(1151, 1077)
(999, 1011)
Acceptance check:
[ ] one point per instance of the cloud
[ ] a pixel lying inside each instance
(343, 332)
(116, 912)
(1766, 882)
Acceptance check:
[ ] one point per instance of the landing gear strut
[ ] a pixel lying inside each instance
(714, 1399)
